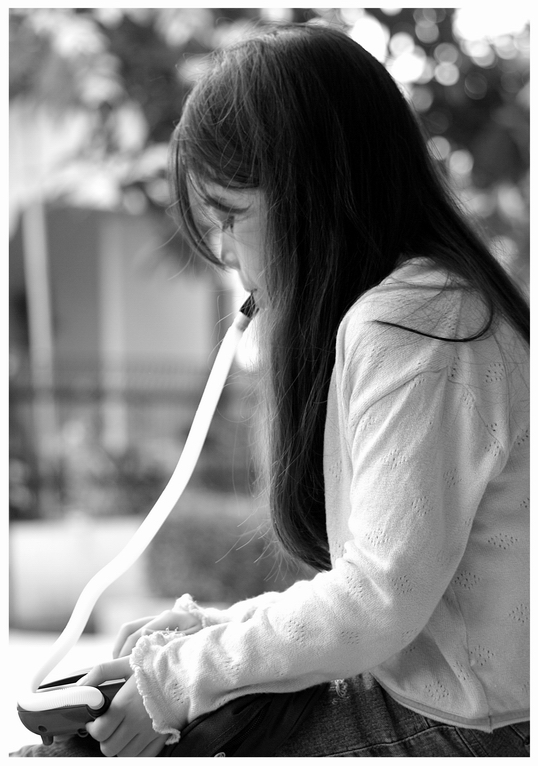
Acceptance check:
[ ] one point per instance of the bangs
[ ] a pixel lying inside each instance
(191, 208)
(190, 179)
(199, 188)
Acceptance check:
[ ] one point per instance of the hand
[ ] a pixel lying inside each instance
(125, 730)
(130, 632)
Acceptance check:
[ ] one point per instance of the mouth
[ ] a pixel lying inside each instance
(257, 295)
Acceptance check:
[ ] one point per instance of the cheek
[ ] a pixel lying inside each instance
(256, 260)
(250, 251)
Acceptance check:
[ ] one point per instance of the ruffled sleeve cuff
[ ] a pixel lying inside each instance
(239, 612)
(187, 603)
(166, 714)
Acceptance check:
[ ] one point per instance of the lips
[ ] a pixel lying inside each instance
(258, 297)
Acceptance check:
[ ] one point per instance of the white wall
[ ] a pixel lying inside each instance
(149, 305)
(51, 562)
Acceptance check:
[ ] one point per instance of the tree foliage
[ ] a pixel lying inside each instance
(127, 72)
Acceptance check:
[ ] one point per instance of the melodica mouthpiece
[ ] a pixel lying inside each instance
(249, 307)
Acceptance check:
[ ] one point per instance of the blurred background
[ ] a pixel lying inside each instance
(113, 326)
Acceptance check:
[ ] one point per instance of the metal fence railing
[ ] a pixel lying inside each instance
(115, 436)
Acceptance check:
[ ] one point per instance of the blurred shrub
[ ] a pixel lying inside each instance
(122, 75)
(218, 550)
(22, 489)
(125, 73)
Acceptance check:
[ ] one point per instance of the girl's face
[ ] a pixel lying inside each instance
(241, 224)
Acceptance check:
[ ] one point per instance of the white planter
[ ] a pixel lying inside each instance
(51, 562)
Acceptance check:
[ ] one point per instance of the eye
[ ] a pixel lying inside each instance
(228, 223)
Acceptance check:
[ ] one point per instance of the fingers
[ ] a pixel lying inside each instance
(107, 671)
(125, 631)
(129, 644)
(135, 748)
(114, 736)
(103, 728)
(170, 618)
(121, 743)
(121, 746)
(125, 729)
(154, 748)
(109, 749)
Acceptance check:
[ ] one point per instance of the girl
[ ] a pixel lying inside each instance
(395, 359)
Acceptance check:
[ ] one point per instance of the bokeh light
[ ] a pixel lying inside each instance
(477, 22)
(422, 98)
(426, 31)
(447, 74)
(480, 52)
(372, 35)
(446, 53)
(114, 80)
(439, 147)
(475, 85)
(461, 162)
(401, 43)
(409, 66)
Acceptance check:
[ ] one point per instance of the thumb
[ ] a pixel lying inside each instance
(107, 671)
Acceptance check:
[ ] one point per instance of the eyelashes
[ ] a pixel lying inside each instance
(228, 223)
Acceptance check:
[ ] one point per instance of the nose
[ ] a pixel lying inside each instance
(228, 257)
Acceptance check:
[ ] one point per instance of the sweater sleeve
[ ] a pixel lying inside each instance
(417, 471)
(238, 612)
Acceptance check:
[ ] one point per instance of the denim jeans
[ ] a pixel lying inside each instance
(358, 719)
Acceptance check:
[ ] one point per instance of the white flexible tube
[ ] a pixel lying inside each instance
(34, 700)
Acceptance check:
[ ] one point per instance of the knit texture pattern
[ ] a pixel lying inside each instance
(426, 470)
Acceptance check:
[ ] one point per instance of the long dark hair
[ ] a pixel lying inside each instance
(309, 117)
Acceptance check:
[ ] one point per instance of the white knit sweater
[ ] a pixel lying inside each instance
(427, 499)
